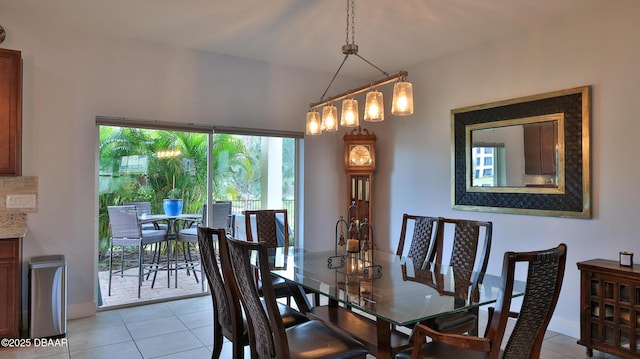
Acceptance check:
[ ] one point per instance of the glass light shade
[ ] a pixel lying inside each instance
(329, 118)
(374, 107)
(349, 113)
(402, 99)
(313, 123)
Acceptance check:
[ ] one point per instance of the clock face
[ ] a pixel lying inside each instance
(360, 155)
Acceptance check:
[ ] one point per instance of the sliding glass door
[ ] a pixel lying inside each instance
(149, 162)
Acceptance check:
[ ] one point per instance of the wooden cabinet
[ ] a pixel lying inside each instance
(540, 141)
(10, 113)
(10, 288)
(610, 308)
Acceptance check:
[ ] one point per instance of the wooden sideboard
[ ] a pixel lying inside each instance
(610, 308)
(10, 113)
(10, 254)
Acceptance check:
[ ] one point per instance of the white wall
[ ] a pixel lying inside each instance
(597, 47)
(71, 77)
(592, 47)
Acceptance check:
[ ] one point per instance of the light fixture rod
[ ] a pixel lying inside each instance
(372, 65)
(334, 77)
(381, 82)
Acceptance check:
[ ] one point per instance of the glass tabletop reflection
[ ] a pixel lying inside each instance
(399, 293)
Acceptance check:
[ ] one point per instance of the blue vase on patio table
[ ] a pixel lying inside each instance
(172, 207)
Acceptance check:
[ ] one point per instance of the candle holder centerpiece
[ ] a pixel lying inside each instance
(354, 258)
(354, 247)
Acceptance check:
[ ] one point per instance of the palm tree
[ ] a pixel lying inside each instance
(186, 172)
(231, 163)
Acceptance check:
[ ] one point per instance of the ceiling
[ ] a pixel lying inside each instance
(306, 33)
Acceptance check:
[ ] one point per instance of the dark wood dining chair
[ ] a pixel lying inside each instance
(422, 237)
(544, 281)
(268, 337)
(470, 247)
(126, 231)
(272, 228)
(229, 319)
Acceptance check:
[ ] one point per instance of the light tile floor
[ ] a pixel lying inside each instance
(181, 329)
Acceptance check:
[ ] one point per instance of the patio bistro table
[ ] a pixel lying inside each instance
(402, 294)
(171, 235)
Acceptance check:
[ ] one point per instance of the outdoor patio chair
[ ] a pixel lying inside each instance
(188, 237)
(144, 208)
(127, 232)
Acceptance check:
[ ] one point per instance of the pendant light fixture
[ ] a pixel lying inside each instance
(350, 113)
(402, 99)
(374, 108)
(314, 126)
(329, 118)
(402, 103)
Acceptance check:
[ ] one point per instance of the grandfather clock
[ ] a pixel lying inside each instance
(360, 163)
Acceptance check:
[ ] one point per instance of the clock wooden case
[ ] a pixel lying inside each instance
(360, 163)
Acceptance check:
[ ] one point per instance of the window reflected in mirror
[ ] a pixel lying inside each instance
(517, 153)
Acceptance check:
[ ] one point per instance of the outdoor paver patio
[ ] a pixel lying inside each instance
(124, 290)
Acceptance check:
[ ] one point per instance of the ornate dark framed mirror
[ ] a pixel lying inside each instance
(527, 155)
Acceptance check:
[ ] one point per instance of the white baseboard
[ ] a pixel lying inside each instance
(565, 327)
(81, 310)
(561, 326)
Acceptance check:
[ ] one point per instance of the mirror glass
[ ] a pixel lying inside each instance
(516, 153)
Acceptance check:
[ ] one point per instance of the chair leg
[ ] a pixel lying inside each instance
(121, 261)
(140, 274)
(217, 340)
(156, 248)
(177, 266)
(201, 273)
(110, 268)
(153, 259)
(168, 262)
(193, 266)
(185, 246)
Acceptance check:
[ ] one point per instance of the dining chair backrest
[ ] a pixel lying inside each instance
(123, 222)
(141, 207)
(228, 312)
(470, 242)
(422, 229)
(268, 228)
(220, 212)
(545, 272)
(544, 280)
(266, 324)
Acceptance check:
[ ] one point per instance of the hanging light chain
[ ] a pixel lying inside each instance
(351, 20)
(315, 125)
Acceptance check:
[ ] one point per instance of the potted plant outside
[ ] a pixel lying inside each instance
(173, 204)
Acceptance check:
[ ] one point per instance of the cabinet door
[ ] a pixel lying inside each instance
(9, 289)
(10, 113)
(540, 148)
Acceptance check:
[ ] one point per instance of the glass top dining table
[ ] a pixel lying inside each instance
(395, 292)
